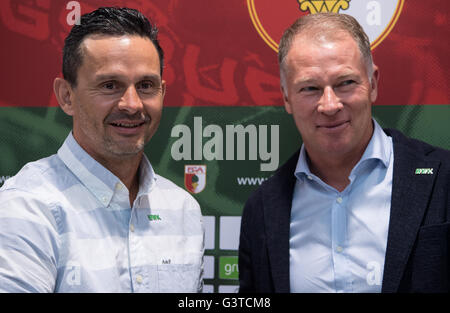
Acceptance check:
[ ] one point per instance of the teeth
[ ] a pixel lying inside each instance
(126, 125)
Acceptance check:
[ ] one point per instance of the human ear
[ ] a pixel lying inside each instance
(63, 92)
(374, 84)
(287, 104)
(163, 88)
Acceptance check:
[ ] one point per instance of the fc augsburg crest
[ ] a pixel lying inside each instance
(195, 178)
(323, 6)
(271, 18)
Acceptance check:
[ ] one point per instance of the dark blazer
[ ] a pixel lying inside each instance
(417, 254)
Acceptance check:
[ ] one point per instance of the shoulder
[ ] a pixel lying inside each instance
(284, 175)
(411, 153)
(417, 147)
(174, 194)
(281, 182)
(28, 199)
(177, 203)
(35, 192)
(38, 179)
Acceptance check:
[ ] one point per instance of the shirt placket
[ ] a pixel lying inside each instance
(136, 273)
(343, 282)
(144, 277)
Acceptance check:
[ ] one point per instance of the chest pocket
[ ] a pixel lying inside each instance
(179, 277)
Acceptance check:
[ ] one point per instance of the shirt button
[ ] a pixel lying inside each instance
(339, 200)
(119, 186)
(309, 177)
(132, 227)
(139, 279)
(339, 249)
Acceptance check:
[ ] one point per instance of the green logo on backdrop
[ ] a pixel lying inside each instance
(228, 267)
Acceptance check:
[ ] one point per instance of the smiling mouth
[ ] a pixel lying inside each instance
(128, 128)
(334, 126)
(128, 125)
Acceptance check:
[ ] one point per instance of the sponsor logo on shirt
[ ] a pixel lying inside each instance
(426, 171)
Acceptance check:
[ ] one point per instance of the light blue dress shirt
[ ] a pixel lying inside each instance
(66, 225)
(338, 239)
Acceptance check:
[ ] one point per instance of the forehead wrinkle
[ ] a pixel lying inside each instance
(108, 60)
(319, 40)
(115, 47)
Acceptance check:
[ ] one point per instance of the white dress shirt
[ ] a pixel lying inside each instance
(67, 226)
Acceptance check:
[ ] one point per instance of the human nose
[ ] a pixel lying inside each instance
(329, 103)
(130, 101)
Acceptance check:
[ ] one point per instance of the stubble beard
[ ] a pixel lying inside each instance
(118, 150)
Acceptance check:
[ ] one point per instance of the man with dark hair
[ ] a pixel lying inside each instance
(357, 208)
(106, 21)
(95, 217)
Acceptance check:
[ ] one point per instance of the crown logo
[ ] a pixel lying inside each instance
(323, 6)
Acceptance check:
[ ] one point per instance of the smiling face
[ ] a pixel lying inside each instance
(117, 103)
(327, 90)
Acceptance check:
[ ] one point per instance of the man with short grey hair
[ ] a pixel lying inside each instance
(358, 208)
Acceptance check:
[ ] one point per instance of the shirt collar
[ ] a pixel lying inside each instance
(379, 148)
(147, 177)
(97, 178)
(302, 164)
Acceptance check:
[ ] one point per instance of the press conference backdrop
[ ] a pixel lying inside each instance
(224, 129)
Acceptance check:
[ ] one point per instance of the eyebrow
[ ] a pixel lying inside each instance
(302, 81)
(305, 81)
(346, 76)
(106, 77)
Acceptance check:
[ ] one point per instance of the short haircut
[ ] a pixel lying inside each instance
(109, 21)
(327, 24)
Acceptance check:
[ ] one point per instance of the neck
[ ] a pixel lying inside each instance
(335, 168)
(334, 172)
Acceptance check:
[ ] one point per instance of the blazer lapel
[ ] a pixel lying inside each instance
(413, 179)
(277, 216)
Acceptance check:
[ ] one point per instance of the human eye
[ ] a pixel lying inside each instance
(345, 84)
(308, 89)
(109, 86)
(145, 85)
(149, 87)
